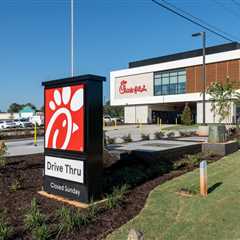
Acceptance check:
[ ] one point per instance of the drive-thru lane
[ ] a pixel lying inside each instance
(26, 146)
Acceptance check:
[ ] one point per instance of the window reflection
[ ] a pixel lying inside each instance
(170, 82)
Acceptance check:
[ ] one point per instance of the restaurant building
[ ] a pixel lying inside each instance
(160, 87)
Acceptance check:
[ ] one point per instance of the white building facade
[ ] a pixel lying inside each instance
(159, 88)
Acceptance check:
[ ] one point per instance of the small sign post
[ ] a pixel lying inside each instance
(203, 178)
(73, 150)
(35, 134)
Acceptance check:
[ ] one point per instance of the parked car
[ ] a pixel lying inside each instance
(7, 124)
(111, 121)
(1, 124)
(18, 123)
(39, 120)
(107, 119)
(120, 120)
(23, 123)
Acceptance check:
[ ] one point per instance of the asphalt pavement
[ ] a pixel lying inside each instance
(26, 146)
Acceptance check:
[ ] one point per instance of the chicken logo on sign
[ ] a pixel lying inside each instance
(64, 118)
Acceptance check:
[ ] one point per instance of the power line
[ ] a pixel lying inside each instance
(191, 20)
(200, 20)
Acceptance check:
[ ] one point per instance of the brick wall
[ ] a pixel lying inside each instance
(214, 72)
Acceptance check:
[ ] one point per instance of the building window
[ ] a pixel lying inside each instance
(170, 82)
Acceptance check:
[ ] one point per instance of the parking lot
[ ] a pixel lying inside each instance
(24, 146)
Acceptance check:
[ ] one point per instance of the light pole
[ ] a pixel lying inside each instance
(203, 34)
(72, 38)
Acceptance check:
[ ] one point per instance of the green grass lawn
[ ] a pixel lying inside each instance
(168, 215)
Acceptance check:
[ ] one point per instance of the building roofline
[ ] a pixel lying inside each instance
(183, 55)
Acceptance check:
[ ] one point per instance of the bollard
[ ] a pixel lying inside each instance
(160, 124)
(176, 121)
(203, 178)
(115, 124)
(35, 134)
(157, 121)
(140, 125)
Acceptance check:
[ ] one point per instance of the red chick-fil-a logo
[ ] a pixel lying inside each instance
(123, 89)
(64, 118)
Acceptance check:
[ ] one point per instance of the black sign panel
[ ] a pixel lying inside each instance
(73, 137)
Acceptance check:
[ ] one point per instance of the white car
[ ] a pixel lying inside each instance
(23, 123)
(107, 119)
(7, 124)
(39, 120)
(1, 124)
(18, 123)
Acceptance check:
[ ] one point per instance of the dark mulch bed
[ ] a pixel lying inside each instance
(28, 171)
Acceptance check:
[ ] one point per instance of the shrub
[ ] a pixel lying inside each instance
(192, 190)
(111, 140)
(3, 150)
(145, 137)
(34, 218)
(186, 133)
(159, 135)
(5, 229)
(79, 219)
(70, 220)
(170, 134)
(127, 138)
(3, 161)
(66, 221)
(114, 199)
(188, 161)
(41, 233)
(186, 116)
(93, 210)
(194, 159)
(16, 184)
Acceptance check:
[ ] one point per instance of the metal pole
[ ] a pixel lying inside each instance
(204, 77)
(35, 134)
(72, 38)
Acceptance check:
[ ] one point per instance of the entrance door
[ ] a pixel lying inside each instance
(167, 117)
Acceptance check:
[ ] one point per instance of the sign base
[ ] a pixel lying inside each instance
(70, 202)
(64, 200)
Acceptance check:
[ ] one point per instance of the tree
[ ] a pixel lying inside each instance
(221, 96)
(186, 116)
(14, 108)
(113, 111)
(30, 105)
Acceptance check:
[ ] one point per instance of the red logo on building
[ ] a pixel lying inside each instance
(64, 118)
(123, 89)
